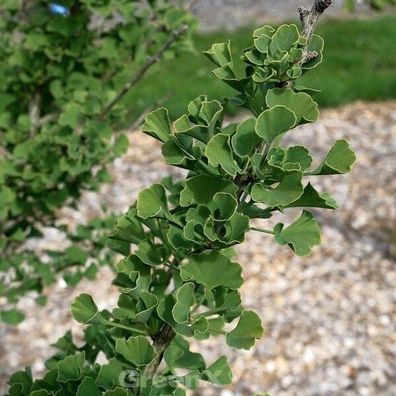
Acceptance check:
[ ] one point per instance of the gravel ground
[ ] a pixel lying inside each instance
(231, 14)
(329, 318)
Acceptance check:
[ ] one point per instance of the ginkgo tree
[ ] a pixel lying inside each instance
(179, 279)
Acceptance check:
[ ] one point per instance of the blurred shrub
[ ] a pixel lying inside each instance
(375, 4)
(65, 68)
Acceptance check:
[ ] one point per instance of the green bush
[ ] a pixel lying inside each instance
(181, 281)
(65, 68)
(375, 4)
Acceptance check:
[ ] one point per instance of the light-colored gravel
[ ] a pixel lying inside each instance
(329, 318)
(231, 14)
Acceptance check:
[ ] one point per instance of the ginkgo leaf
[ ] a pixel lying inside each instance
(245, 138)
(152, 202)
(287, 191)
(184, 299)
(136, 350)
(201, 189)
(312, 199)
(88, 387)
(70, 368)
(219, 372)
(284, 38)
(220, 54)
(157, 124)
(109, 374)
(302, 104)
(219, 153)
(247, 331)
(224, 206)
(178, 355)
(212, 269)
(339, 160)
(301, 235)
(274, 122)
(316, 44)
(84, 310)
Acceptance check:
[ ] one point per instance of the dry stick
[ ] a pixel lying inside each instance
(309, 20)
(144, 68)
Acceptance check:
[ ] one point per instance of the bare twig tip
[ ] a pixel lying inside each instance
(321, 5)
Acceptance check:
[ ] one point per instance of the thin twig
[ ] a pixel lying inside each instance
(309, 20)
(34, 113)
(48, 118)
(262, 230)
(175, 35)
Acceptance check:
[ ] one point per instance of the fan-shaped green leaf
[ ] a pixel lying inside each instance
(219, 372)
(219, 153)
(312, 199)
(184, 299)
(201, 189)
(316, 45)
(274, 122)
(136, 350)
(70, 368)
(88, 387)
(157, 124)
(220, 54)
(212, 269)
(287, 191)
(109, 374)
(284, 38)
(246, 332)
(339, 160)
(178, 355)
(84, 310)
(301, 235)
(302, 104)
(152, 202)
(245, 139)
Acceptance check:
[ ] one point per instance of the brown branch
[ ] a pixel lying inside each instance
(174, 36)
(309, 20)
(161, 342)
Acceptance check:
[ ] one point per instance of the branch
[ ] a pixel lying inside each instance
(161, 342)
(309, 20)
(34, 113)
(174, 36)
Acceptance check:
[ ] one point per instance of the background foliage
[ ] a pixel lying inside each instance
(62, 68)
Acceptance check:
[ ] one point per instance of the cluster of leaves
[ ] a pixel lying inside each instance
(178, 280)
(375, 4)
(62, 64)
